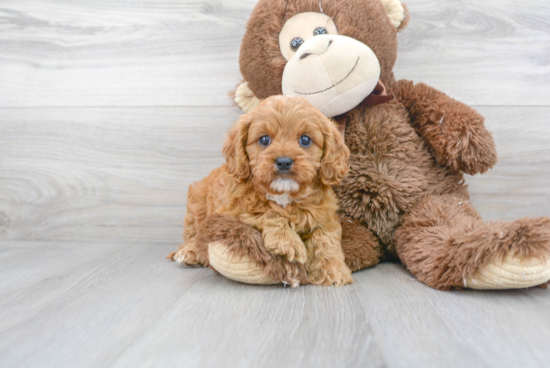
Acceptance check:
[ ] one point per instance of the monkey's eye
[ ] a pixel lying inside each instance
(264, 141)
(296, 43)
(305, 141)
(320, 31)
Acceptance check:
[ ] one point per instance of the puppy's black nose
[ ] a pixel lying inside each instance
(284, 163)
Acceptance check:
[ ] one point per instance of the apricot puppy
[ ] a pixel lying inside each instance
(281, 161)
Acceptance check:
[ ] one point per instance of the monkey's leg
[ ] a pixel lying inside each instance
(445, 243)
(236, 250)
(360, 246)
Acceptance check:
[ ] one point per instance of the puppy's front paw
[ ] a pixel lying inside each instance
(290, 247)
(333, 272)
(188, 257)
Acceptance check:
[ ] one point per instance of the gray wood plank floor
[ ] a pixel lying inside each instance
(122, 305)
(110, 109)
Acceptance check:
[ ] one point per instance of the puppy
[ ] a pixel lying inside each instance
(281, 161)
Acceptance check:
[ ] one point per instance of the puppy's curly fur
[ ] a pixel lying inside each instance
(294, 209)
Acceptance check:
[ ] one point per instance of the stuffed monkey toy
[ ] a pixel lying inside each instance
(410, 144)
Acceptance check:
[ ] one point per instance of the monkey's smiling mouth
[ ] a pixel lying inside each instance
(334, 85)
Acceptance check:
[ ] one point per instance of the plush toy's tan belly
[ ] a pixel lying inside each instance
(390, 169)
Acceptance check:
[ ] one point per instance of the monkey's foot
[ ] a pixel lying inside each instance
(237, 268)
(512, 272)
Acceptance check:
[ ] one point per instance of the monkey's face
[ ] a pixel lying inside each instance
(332, 53)
(334, 73)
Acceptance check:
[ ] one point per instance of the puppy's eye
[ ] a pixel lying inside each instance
(296, 43)
(305, 141)
(264, 141)
(320, 31)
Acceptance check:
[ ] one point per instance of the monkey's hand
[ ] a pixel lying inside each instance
(454, 131)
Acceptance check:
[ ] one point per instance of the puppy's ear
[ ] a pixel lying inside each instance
(334, 165)
(234, 148)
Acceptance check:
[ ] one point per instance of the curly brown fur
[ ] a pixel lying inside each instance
(244, 240)
(360, 246)
(390, 170)
(454, 132)
(294, 209)
(443, 240)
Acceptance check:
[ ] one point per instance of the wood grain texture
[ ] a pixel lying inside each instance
(417, 326)
(123, 305)
(122, 174)
(120, 53)
(519, 185)
(494, 52)
(185, 53)
(90, 174)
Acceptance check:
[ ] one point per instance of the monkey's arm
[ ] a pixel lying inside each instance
(454, 131)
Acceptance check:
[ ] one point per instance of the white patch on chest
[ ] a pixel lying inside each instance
(282, 200)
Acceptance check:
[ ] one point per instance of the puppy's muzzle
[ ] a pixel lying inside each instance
(284, 164)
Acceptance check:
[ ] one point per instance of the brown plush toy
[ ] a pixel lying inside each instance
(410, 145)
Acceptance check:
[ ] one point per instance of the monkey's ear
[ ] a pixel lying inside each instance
(234, 148)
(245, 98)
(398, 13)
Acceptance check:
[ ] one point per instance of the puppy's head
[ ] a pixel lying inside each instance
(285, 145)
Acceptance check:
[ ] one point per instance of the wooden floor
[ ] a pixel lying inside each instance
(110, 109)
(103, 304)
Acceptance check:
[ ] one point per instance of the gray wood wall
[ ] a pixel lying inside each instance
(109, 109)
